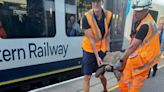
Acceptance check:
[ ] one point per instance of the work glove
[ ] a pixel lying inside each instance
(118, 65)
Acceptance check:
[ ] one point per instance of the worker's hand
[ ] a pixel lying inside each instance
(108, 53)
(118, 65)
(99, 61)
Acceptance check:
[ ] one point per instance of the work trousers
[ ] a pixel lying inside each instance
(130, 82)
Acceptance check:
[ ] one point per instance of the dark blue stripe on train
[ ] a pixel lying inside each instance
(16, 73)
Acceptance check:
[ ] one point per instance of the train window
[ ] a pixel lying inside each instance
(28, 18)
(74, 13)
(70, 2)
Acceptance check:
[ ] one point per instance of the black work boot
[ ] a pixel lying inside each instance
(149, 73)
(154, 73)
(154, 70)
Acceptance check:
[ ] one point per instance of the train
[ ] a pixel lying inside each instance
(38, 48)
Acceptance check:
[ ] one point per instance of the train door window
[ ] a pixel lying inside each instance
(28, 18)
(74, 10)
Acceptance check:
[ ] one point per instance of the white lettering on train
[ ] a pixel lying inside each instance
(47, 50)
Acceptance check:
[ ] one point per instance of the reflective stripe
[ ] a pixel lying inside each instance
(124, 75)
(138, 80)
(95, 34)
(136, 86)
(98, 36)
(125, 81)
(147, 64)
(122, 78)
(154, 31)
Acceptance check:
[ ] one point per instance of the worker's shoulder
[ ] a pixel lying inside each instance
(107, 12)
(89, 12)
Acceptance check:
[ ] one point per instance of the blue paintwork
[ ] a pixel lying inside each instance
(128, 7)
(12, 74)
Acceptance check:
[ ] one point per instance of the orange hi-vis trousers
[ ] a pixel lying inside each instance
(130, 82)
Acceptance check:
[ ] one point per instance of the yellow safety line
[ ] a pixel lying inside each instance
(39, 75)
(112, 88)
(116, 86)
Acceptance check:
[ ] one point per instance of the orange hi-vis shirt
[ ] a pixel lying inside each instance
(149, 50)
(100, 41)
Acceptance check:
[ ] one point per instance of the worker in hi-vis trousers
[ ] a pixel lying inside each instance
(143, 51)
(161, 38)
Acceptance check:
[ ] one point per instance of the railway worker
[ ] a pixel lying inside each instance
(95, 44)
(161, 37)
(142, 53)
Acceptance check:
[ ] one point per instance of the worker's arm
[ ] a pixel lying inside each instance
(88, 34)
(131, 49)
(140, 36)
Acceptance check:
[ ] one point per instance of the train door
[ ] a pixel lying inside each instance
(74, 10)
(118, 8)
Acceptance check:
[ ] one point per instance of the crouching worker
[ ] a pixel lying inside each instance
(142, 53)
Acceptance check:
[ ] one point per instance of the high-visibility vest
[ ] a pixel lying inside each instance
(149, 50)
(100, 41)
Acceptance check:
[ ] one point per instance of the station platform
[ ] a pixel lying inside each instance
(153, 84)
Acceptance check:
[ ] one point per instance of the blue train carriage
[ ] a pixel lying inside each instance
(38, 50)
(43, 40)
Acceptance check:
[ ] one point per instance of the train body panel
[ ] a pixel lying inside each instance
(27, 56)
(20, 52)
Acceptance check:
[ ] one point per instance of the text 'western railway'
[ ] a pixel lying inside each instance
(34, 51)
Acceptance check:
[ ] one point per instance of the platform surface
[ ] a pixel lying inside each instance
(153, 84)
